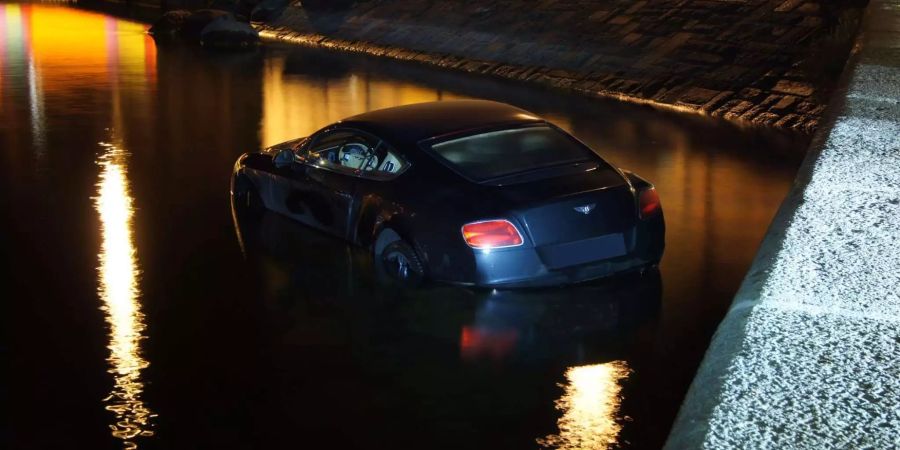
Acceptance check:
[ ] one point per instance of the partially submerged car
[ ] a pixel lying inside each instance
(470, 192)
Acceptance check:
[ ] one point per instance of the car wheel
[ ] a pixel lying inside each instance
(402, 263)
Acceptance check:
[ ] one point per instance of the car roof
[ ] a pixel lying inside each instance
(410, 124)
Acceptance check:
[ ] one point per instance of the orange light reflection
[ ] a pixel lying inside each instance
(75, 48)
(295, 106)
(3, 32)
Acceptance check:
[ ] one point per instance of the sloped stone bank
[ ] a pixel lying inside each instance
(808, 356)
(765, 62)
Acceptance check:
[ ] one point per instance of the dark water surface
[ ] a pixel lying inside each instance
(135, 313)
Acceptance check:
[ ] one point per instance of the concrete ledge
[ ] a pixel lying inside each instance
(809, 354)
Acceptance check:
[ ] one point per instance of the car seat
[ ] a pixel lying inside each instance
(391, 164)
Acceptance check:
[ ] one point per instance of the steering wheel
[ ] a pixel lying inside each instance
(354, 155)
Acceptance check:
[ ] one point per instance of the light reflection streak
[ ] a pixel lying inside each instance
(17, 22)
(120, 294)
(590, 405)
(36, 106)
(2, 50)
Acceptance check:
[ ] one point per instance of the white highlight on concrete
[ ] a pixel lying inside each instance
(841, 251)
(809, 355)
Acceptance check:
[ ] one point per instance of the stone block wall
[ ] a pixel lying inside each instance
(767, 62)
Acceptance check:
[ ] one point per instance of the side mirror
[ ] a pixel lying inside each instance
(284, 158)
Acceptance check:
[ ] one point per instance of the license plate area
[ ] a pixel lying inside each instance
(567, 254)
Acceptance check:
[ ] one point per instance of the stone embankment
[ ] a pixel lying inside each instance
(766, 62)
(808, 357)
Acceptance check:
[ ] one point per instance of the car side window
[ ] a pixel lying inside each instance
(355, 153)
(386, 163)
(325, 147)
(358, 153)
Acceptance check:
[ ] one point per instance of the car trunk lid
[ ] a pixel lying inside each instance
(577, 218)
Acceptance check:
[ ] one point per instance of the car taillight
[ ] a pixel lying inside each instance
(491, 234)
(648, 202)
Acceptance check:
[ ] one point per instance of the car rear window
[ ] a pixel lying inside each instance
(502, 153)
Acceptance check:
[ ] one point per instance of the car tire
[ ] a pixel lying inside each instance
(402, 263)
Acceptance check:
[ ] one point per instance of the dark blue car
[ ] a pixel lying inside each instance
(470, 192)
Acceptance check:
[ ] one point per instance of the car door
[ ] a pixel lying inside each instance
(320, 189)
(377, 194)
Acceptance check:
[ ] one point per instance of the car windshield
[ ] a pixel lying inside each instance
(508, 152)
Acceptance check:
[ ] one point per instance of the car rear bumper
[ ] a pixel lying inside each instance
(518, 271)
(566, 264)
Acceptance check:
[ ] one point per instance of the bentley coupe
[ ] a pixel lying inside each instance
(469, 192)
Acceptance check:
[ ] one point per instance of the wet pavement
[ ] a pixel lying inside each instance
(136, 312)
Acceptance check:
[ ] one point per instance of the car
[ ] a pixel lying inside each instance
(469, 192)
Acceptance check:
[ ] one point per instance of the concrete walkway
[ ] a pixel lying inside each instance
(809, 354)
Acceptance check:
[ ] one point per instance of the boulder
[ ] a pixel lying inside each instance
(267, 10)
(170, 23)
(227, 33)
(326, 5)
(243, 9)
(223, 5)
(194, 24)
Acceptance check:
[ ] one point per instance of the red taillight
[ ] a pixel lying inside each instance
(648, 203)
(491, 234)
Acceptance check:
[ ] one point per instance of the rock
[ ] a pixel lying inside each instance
(244, 8)
(194, 24)
(750, 93)
(268, 10)
(223, 5)
(786, 102)
(697, 96)
(711, 105)
(787, 121)
(797, 88)
(169, 24)
(228, 33)
(732, 109)
(805, 107)
(209, 27)
(808, 8)
(599, 15)
(326, 5)
(788, 5)
(766, 118)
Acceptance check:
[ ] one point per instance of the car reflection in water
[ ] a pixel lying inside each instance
(440, 365)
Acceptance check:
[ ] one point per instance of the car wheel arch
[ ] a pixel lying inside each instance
(379, 224)
(368, 222)
(391, 230)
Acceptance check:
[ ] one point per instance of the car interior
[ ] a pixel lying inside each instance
(355, 154)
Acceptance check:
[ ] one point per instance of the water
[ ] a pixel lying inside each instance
(136, 313)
